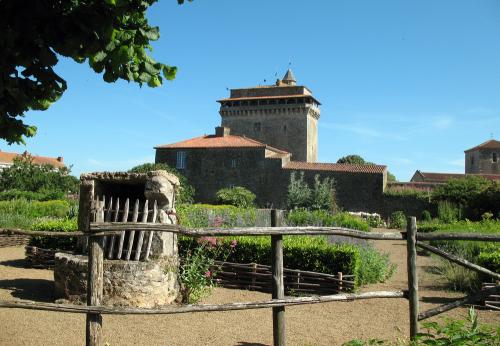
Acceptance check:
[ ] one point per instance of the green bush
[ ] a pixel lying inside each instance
(490, 260)
(299, 193)
(35, 209)
(397, 220)
(308, 253)
(41, 195)
(55, 225)
(301, 217)
(224, 216)
(237, 196)
(185, 195)
(449, 212)
(471, 196)
(426, 216)
(26, 176)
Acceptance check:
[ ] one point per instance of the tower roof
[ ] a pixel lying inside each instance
(289, 78)
(491, 144)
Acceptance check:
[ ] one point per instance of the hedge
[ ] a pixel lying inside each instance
(36, 209)
(55, 225)
(307, 253)
(224, 216)
(301, 217)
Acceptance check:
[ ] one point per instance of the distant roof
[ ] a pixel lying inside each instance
(213, 141)
(335, 167)
(491, 144)
(8, 158)
(443, 177)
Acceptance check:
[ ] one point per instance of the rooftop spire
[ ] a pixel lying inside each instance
(289, 78)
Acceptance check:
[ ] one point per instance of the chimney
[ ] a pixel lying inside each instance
(60, 159)
(221, 131)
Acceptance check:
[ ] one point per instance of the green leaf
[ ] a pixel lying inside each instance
(169, 72)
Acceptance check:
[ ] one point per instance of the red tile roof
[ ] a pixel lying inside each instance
(8, 158)
(335, 167)
(491, 144)
(212, 141)
(443, 177)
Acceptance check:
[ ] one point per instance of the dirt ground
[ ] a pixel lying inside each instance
(319, 324)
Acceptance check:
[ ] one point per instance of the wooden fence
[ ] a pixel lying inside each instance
(97, 231)
(258, 277)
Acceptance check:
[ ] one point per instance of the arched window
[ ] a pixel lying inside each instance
(494, 157)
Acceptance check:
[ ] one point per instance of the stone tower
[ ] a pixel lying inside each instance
(284, 115)
(483, 159)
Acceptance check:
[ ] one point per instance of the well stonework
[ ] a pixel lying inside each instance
(126, 283)
(148, 282)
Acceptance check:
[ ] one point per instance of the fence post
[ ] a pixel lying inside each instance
(278, 284)
(411, 240)
(95, 281)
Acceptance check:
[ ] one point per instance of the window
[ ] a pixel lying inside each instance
(256, 127)
(181, 160)
(494, 157)
(472, 160)
(233, 163)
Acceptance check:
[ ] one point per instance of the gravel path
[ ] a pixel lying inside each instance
(320, 324)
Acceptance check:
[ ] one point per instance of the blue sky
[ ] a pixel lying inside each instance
(408, 84)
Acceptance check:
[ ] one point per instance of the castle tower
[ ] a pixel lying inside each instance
(284, 115)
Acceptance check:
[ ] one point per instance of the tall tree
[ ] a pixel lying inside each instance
(112, 36)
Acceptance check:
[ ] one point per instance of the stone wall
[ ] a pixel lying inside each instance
(292, 127)
(209, 170)
(126, 283)
(410, 205)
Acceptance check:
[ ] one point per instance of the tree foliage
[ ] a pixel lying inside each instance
(32, 181)
(358, 160)
(352, 159)
(299, 193)
(185, 194)
(473, 194)
(237, 196)
(112, 36)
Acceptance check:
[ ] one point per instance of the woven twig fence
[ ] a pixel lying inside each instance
(13, 240)
(258, 277)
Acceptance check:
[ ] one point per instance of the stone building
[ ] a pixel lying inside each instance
(284, 115)
(484, 158)
(267, 133)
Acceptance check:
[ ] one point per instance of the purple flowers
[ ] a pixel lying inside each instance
(208, 274)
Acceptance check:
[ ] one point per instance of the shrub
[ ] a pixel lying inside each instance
(55, 225)
(458, 332)
(301, 196)
(237, 196)
(323, 194)
(35, 209)
(42, 195)
(26, 176)
(301, 217)
(490, 260)
(185, 195)
(198, 271)
(224, 216)
(449, 212)
(397, 220)
(307, 253)
(299, 193)
(426, 216)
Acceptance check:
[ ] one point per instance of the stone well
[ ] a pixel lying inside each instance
(130, 279)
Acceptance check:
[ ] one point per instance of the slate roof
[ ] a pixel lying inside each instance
(289, 77)
(212, 141)
(491, 144)
(335, 167)
(8, 158)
